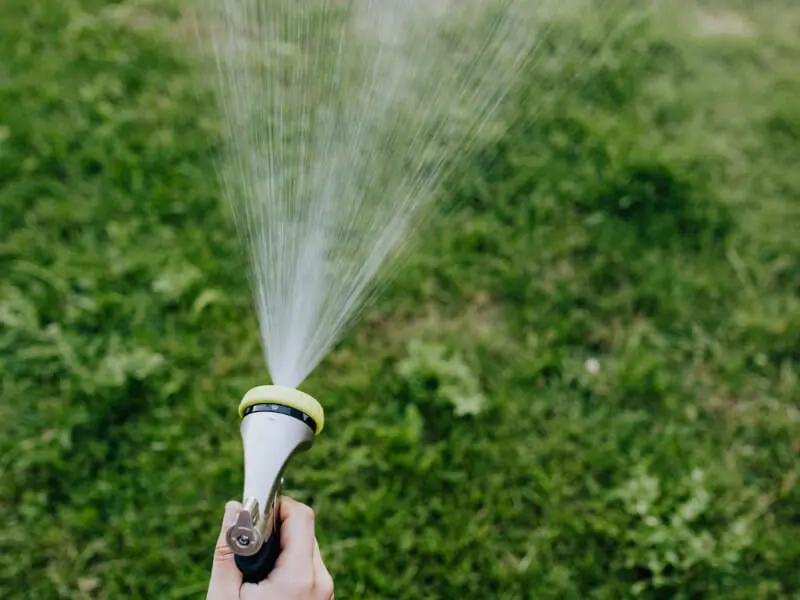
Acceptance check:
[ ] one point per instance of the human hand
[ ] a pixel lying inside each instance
(299, 572)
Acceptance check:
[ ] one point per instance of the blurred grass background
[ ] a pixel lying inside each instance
(584, 385)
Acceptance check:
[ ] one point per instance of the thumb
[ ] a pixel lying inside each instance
(225, 576)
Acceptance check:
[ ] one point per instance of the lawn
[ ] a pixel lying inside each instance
(618, 281)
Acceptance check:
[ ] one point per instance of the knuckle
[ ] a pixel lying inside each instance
(307, 512)
(301, 587)
(326, 588)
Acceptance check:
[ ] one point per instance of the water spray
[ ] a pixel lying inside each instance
(341, 118)
(277, 423)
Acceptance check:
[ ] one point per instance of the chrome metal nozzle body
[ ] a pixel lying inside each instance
(271, 436)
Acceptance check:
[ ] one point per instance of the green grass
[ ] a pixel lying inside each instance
(649, 218)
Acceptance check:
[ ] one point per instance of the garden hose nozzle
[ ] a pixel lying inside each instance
(277, 423)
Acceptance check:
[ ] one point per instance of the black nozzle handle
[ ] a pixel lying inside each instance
(256, 568)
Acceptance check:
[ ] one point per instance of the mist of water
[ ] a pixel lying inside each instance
(342, 116)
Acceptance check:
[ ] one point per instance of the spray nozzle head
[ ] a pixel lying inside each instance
(285, 400)
(277, 423)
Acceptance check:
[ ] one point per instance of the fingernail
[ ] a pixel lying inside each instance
(231, 512)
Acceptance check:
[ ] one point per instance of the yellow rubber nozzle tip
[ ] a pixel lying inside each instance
(285, 396)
